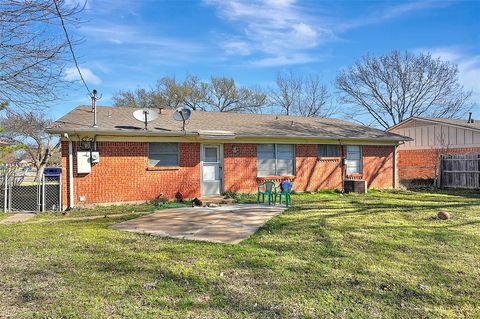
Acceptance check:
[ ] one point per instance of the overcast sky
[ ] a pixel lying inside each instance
(131, 43)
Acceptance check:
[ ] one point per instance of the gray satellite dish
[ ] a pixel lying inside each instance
(145, 115)
(182, 114)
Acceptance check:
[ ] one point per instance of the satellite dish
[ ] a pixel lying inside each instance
(182, 114)
(145, 115)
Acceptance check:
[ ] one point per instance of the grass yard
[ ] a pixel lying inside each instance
(3, 215)
(383, 255)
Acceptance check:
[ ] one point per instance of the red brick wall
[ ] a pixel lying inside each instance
(122, 174)
(313, 173)
(378, 166)
(420, 164)
(240, 168)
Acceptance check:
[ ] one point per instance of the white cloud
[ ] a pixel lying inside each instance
(468, 67)
(71, 74)
(390, 12)
(236, 47)
(277, 28)
(284, 60)
(284, 31)
(125, 34)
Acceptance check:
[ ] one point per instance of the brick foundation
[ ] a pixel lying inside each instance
(122, 173)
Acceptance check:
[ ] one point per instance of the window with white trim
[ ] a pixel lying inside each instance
(162, 154)
(353, 159)
(275, 159)
(328, 150)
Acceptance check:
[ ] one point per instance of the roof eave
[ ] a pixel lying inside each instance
(147, 133)
(119, 132)
(337, 138)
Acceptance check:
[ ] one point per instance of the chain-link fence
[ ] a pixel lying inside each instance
(21, 191)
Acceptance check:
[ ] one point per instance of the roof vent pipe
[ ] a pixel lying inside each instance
(94, 98)
(470, 118)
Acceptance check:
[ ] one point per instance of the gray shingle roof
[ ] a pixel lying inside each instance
(439, 120)
(119, 120)
(458, 122)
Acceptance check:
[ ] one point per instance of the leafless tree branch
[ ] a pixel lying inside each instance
(28, 129)
(33, 50)
(302, 95)
(396, 86)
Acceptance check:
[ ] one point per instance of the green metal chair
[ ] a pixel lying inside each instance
(266, 188)
(284, 189)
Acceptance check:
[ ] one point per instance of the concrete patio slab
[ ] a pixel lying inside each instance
(224, 224)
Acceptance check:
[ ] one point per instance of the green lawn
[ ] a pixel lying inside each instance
(383, 255)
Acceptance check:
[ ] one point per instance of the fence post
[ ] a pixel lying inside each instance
(9, 192)
(440, 173)
(5, 191)
(43, 192)
(60, 193)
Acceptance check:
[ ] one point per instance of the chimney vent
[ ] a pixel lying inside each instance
(470, 120)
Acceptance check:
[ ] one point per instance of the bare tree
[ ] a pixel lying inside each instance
(32, 50)
(223, 95)
(168, 92)
(139, 98)
(172, 93)
(302, 95)
(396, 86)
(28, 130)
(220, 94)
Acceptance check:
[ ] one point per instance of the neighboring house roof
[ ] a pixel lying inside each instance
(437, 120)
(119, 121)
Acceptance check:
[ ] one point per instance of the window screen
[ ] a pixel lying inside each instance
(354, 159)
(275, 159)
(162, 154)
(328, 150)
(266, 159)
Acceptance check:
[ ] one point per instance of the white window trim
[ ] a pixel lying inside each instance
(360, 160)
(338, 151)
(178, 155)
(276, 159)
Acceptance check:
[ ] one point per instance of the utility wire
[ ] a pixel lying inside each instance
(71, 47)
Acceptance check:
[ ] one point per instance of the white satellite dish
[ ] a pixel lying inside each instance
(145, 115)
(182, 114)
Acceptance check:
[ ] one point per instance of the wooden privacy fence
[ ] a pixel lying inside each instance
(460, 171)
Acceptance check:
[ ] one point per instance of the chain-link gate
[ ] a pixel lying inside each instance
(22, 192)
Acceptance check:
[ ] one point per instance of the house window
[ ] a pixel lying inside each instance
(162, 154)
(328, 150)
(354, 159)
(275, 159)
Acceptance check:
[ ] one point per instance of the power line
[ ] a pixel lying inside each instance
(71, 47)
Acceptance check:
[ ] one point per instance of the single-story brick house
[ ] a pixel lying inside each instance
(216, 152)
(418, 158)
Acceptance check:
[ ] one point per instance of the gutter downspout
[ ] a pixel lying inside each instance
(342, 166)
(395, 167)
(70, 174)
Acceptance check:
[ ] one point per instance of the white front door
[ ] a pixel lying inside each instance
(211, 169)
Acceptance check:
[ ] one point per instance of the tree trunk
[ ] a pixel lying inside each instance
(40, 169)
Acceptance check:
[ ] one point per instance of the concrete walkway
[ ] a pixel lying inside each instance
(17, 218)
(225, 224)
